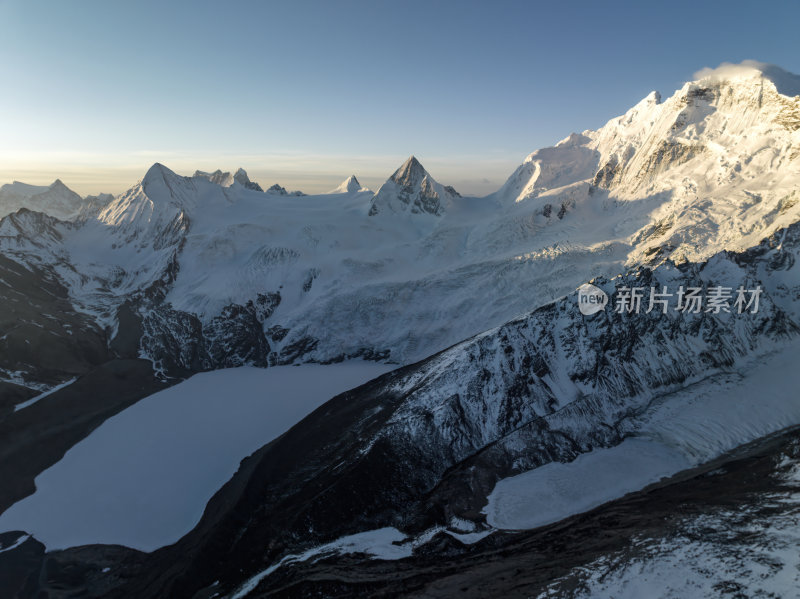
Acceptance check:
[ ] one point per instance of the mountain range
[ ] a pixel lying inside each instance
(508, 420)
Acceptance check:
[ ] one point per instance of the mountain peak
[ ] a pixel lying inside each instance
(410, 172)
(55, 200)
(219, 177)
(277, 189)
(411, 188)
(224, 178)
(157, 172)
(240, 176)
(787, 84)
(349, 185)
(159, 176)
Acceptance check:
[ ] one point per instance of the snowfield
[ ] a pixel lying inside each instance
(143, 478)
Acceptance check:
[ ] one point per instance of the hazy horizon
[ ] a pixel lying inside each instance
(310, 174)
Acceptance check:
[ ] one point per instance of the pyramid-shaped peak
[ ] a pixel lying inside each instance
(349, 185)
(159, 175)
(156, 172)
(410, 174)
(411, 189)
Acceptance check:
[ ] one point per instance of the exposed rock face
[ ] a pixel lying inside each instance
(179, 342)
(411, 189)
(43, 339)
(277, 190)
(240, 176)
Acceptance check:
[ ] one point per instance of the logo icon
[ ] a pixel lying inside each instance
(591, 299)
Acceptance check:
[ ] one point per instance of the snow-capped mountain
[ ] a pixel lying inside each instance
(714, 166)
(349, 185)
(225, 179)
(55, 199)
(412, 190)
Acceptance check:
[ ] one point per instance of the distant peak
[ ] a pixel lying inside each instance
(240, 176)
(219, 177)
(277, 189)
(349, 185)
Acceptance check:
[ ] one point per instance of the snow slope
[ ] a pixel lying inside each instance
(142, 479)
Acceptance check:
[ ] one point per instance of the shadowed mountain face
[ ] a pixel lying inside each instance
(44, 339)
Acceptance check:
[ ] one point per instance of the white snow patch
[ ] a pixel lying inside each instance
(382, 543)
(143, 478)
(16, 543)
(33, 400)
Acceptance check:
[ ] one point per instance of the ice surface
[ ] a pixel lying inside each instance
(554, 491)
(143, 478)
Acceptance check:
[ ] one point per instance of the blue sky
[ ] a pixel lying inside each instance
(306, 93)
